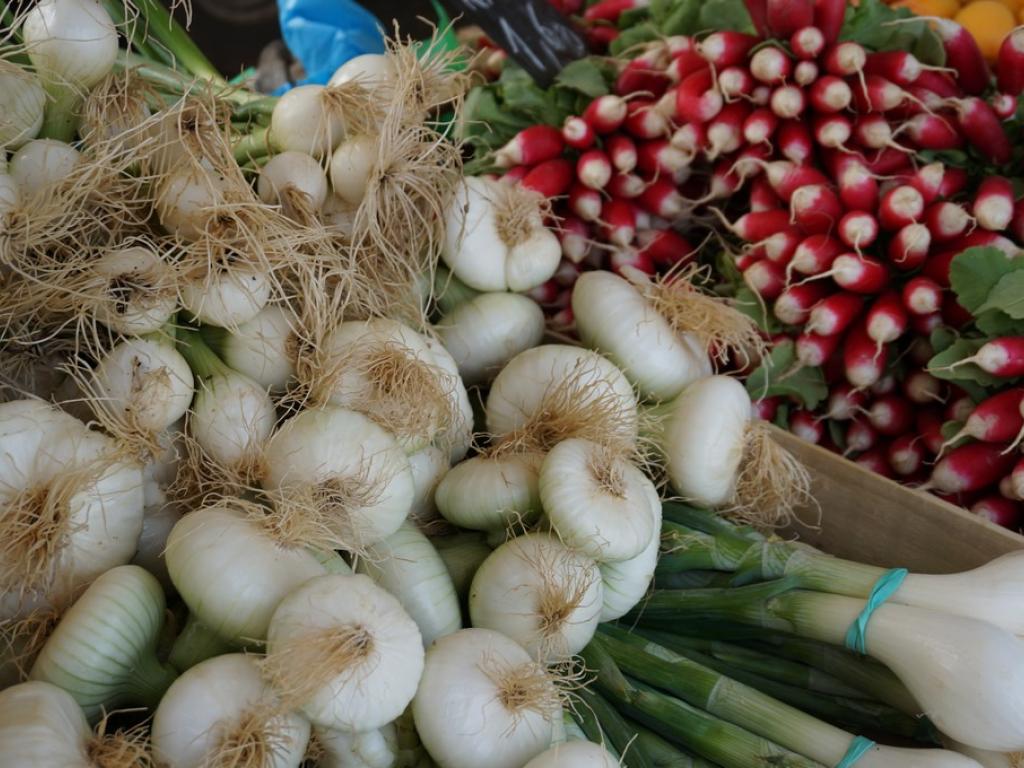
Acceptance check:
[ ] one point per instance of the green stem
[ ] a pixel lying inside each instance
(699, 731)
(687, 549)
(706, 521)
(61, 118)
(663, 754)
(201, 359)
(149, 681)
(616, 731)
(253, 146)
(691, 579)
(134, 32)
(196, 643)
(857, 715)
(163, 27)
(667, 609)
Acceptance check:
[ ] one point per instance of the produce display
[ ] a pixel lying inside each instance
(339, 429)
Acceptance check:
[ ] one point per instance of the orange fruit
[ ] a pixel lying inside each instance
(945, 9)
(989, 21)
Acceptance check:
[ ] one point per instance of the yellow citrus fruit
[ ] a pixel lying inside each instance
(1013, 5)
(945, 9)
(989, 21)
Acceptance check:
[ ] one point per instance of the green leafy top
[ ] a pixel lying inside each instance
(990, 285)
(881, 27)
(781, 374)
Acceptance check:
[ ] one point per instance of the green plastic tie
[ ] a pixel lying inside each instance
(885, 587)
(858, 748)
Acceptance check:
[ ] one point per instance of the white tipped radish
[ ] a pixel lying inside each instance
(530, 146)
(539, 592)
(788, 102)
(511, 703)
(770, 65)
(993, 203)
(496, 239)
(805, 73)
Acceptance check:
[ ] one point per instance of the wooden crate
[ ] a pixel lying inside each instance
(869, 518)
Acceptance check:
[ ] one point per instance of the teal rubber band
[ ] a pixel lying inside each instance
(885, 587)
(858, 748)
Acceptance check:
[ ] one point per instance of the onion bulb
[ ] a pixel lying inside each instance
(374, 71)
(231, 294)
(574, 754)
(507, 703)
(295, 181)
(303, 120)
(263, 348)
(137, 294)
(42, 164)
(545, 596)
(352, 164)
(378, 748)
(486, 493)
(22, 101)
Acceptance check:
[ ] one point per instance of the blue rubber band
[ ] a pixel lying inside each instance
(858, 748)
(885, 587)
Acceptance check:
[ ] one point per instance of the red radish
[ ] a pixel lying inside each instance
(889, 160)
(858, 230)
(998, 510)
(997, 419)
(900, 206)
(758, 11)
(545, 294)
(766, 408)
(574, 235)
(876, 460)
(859, 274)
(744, 261)
(858, 189)
(922, 296)
(770, 65)
(781, 246)
(735, 82)
(749, 163)
(845, 59)
(585, 202)
(594, 169)
(578, 133)
(815, 254)
(552, 178)
(1001, 357)
(891, 415)
(983, 129)
(661, 199)
(900, 67)
(807, 43)
(960, 409)
(929, 426)
(906, 454)
(804, 425)
(725, 180)
(659, 156)
(845, 402)
(606, 114)
(787, 177)
(762, 196)
(909, 247)
(794, 305)
(886, 319)
(788, 102)
(765, 278)
(993, 204)
(828, 17)
(971, 467)
(514, 175)
(813, 350)
(1007, 490)
(690, 138)
(684, 63)
(626, 186)
(1004, 105)
(1010, 63)
(600, 37)
(784, 17)
(879, 95)
(832, 130)
(830, 94)
(815, 208)
(930, 181)
(863, 361)
(926, 325)
(954, 181)
(921, 351)
(805, 73)
(622, 152)
(725, 131)
(665, 247)
(758, 225)
(761, 95)
(884, 386)
(872, 131)
(834, 314)
(644, 74)
(963, 56)
(795, 142)
(1017, 479)
(929, 131)
(697, 99)
(939, 83)
(611, 10)
(643, 121)
(861, 436)
(954, 315)
(946, 221)
(922, 388)
(982, 237)
(624, 259)
(726, 48)
(567, 274)
(530, 146)
(619, 217)
(1017, 224)
(759, 126)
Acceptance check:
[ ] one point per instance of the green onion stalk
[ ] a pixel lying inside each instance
(695, 728)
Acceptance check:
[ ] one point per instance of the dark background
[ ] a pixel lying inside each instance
(233, 32)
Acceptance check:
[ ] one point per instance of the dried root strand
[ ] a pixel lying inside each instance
(723, 330)
(120, 749)
(301, 665)
(773, 487)
(257, 739)
(528, 687)
(22, 639)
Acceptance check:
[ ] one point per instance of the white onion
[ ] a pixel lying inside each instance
(71, 42)
(228, 297)
(22, 101)
(293, 173)
(42, 164)
(487, 494)
(574, 754)
(138, 295)
(352, 165)
(303, 121)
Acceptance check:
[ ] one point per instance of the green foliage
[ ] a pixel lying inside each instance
(783, 375)
(880, 27)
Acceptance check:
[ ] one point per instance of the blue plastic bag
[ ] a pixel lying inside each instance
(324, 34)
